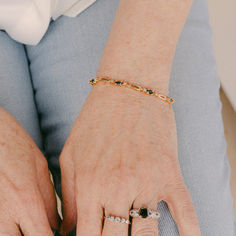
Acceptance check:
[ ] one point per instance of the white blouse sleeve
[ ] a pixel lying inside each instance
(70, 7)
(26, 21)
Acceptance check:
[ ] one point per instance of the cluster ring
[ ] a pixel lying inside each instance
(144, 213)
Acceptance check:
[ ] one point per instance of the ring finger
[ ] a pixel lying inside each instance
(116, 226)
(144, 226)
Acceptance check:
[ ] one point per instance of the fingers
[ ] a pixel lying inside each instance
(68, 196)
(182, 209)
(9, 229)
(32, 216)
(47, 192)
(36, 228)
(118, 207)
(89, 218)
(144, 226)
(27, 217)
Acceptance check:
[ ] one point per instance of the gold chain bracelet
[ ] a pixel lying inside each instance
(132, 86)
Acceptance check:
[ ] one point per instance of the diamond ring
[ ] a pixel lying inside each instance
(117, 219)
(144, 213)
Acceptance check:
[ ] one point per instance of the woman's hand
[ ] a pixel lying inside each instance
(27, 199)
(122, 154)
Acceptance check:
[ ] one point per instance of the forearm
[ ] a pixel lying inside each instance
(142, 41)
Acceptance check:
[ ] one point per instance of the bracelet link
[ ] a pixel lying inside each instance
(133, 86)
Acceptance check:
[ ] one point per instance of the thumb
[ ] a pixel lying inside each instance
(182, 209)
(68, 195)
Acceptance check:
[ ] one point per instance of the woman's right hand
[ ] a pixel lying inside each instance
(27, 198)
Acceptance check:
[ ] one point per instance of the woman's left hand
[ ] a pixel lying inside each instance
(122, 154)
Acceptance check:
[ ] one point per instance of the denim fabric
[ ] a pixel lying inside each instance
(16, 92)
(59, 68)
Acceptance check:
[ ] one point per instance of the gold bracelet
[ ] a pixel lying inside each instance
(132, 86)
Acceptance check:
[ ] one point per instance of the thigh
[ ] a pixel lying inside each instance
(201, 143)
(16, 92)
(67, 58)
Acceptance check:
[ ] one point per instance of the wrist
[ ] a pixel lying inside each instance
(121, 96)
(155, 82)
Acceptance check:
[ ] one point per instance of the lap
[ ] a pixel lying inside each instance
(67, 58)
(16, 92)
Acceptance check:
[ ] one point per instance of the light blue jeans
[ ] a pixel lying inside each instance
(45, 86)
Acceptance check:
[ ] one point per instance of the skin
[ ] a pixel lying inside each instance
(122, 150)
(27, 199)
(120, 156)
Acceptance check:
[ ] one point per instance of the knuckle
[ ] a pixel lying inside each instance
(147, 231)
(189, 213)
(181, 189)
(148, 228)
